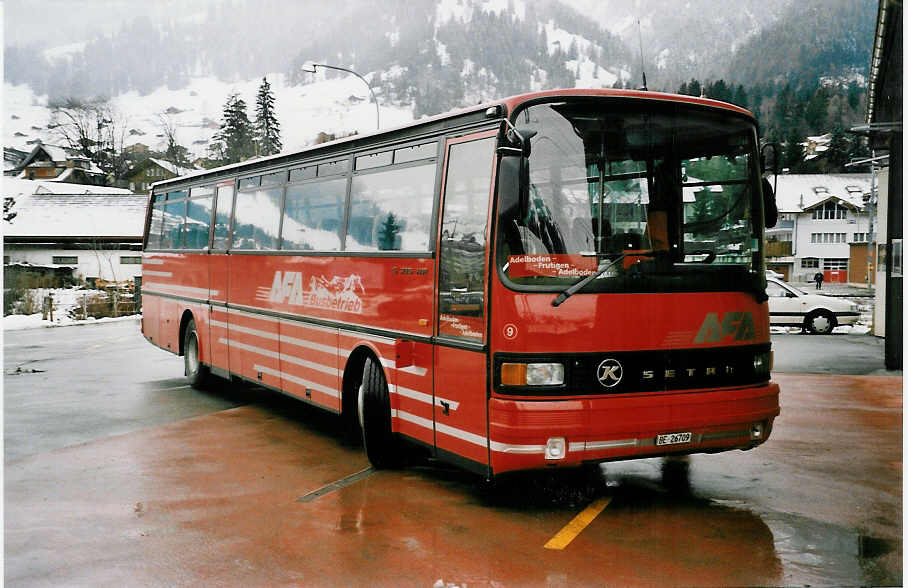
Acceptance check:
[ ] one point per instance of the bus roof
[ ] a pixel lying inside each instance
(463, 117)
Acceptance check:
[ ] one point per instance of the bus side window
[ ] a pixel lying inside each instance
(198, 222)
(257, 218)
(222, 217)
(312, 216)
(156, 227)
(391, 210)
(172, 225)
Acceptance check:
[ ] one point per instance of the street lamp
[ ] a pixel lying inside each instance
(311, 67)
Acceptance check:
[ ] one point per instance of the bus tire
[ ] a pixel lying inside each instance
(195, 371)
(374, 411)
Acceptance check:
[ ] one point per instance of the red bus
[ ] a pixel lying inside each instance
(558, 278)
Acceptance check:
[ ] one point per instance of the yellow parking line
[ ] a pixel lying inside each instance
(578, 524)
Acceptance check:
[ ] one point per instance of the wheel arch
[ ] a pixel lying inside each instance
(184, 324)
(353, 376)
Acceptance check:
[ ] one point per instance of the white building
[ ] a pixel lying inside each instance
(820, 216)
(95, 230)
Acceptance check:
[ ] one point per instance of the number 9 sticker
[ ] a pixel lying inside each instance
(510, 331)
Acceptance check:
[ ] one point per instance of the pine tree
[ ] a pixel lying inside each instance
(235, 137)
(267, 128)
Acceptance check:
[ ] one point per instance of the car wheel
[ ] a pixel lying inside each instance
(820, 322)
(196, 373)
(374, 412)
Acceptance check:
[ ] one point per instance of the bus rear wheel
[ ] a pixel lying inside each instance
(196, 373)
(374, 411)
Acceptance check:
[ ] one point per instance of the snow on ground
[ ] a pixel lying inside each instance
(65, 299)
(341, 106)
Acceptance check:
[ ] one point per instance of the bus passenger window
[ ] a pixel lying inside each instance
(257, 218)
(157, 225)
(222, 217)
(391, 210)
(172, 227)
(198, 222)
(312, 216)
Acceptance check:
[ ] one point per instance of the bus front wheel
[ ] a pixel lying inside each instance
(374, 411)
(196, 373)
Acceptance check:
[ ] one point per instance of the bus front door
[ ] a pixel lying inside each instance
(460, 411)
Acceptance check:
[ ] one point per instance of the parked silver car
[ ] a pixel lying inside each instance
(814, 313)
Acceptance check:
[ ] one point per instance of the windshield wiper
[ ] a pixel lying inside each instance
(603, 267)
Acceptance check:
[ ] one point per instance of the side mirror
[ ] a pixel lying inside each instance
(514, 149)
(770, 208)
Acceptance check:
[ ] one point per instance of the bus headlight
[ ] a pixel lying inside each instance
(532, 374)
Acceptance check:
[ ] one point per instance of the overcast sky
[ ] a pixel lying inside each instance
(59, 22)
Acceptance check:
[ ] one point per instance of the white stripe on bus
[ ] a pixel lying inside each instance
(152, 261)
(296, 380)
(156, 273)
(282, 357)
(425, 398)
(162, 288)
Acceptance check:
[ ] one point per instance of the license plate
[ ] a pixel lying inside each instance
(673, 438)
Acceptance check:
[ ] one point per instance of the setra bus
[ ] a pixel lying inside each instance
(557, 278)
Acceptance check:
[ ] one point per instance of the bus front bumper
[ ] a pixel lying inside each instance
(532, 434)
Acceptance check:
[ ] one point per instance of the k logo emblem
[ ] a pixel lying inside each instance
(609, 372)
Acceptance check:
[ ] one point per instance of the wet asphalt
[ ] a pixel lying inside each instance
(117, 473)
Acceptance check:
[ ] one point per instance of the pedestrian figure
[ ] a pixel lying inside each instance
(818, 278)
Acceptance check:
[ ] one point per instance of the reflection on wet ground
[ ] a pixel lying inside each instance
(269, 492)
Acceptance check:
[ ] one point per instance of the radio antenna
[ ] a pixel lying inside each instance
(642, 66)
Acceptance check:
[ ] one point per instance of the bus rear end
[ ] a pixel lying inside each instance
(628, 314)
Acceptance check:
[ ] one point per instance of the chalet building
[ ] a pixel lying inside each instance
(152, 170)
(87, 232)
(822, 217)
(137, 149)
(12, 159)
(52, 163)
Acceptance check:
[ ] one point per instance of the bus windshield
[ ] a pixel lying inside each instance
(664, 189)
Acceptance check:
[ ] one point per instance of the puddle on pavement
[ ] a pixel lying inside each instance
(646, 493)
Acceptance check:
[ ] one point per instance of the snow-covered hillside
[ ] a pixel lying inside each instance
(339, 106)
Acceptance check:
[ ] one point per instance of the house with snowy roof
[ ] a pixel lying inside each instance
(151, 170)
(52, 163)
(823, 226)
(95, 231)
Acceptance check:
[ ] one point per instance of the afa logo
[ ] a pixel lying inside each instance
(340, 293)
(739, 325)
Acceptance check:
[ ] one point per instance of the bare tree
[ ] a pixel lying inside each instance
(94, 129)
(175, 152)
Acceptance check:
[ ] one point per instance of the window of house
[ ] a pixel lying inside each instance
(859, 238)
(830, 211)
(828, 237)
(833, 263)
(130, 260)
(810, 262)
(64, 260)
